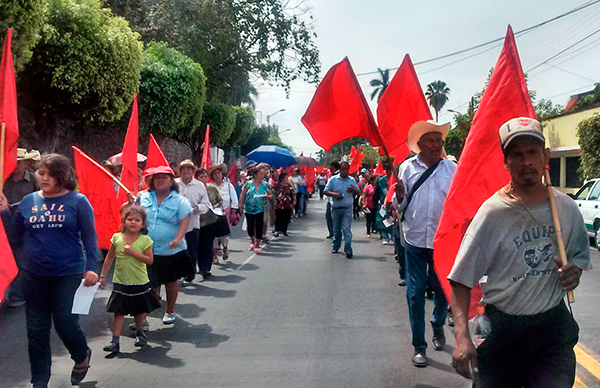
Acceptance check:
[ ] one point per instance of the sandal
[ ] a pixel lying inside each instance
(215, 260)
(78, 373)
(225, 256)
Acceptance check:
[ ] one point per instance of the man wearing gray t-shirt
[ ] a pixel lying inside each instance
(511, 249)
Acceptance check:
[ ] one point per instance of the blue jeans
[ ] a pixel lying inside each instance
(417, 261)
(342, 221)
(399, 250)
(50, 299)
(328, 218)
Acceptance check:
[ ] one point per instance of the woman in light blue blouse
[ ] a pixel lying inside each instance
(168, 219)
(254, 196)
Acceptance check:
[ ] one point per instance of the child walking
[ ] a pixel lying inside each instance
(132, 293)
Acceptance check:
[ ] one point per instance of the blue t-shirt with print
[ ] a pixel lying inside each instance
(255, 199)
(55, 232)
(163, 220)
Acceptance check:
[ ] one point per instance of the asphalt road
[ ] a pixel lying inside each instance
(295, 316)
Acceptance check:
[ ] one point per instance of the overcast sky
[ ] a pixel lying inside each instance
(379, 33)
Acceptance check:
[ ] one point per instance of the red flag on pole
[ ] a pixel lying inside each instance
(8, 111)
(402, 104)
(309, 176)
(505, 97)
(356, 163)
(98, 185)
(129, 173)
(155, 155)
(206, 159)
(339, 110)
(379, 169)
(232, 174)
(8, 267)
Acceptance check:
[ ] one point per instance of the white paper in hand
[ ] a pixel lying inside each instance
(83, 298)
(245, 225)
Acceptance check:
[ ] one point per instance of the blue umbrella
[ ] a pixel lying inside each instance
(275, 156)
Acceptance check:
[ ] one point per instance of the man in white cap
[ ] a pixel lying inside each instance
(510, 249)
(424, 181)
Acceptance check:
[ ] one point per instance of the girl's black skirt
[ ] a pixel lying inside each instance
(132, 299)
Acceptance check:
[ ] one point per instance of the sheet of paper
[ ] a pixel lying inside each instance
(388, 222)
(382, 211)
(217, 210)
(245, 225)
(83, 299)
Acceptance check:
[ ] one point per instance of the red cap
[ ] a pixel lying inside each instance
(158, 170)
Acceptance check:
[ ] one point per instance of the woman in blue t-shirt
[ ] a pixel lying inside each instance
(168, 220)
(56, 225)
(254, 197)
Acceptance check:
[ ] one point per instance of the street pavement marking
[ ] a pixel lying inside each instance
(579, 383)
(588, 362)
(272, 239)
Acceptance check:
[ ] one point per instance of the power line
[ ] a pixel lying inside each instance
(579, 8)
(565, 50)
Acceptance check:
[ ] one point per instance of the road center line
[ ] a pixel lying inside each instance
(246, 262)
(587, 361)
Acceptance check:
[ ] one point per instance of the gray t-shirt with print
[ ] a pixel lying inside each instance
(510, 253)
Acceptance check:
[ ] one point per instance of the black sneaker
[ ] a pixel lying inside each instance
(348, 255)
(140, 341)
(112, 347)
(330, 236)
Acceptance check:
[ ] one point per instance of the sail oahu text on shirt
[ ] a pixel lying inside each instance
(533, 256)
(38, 221)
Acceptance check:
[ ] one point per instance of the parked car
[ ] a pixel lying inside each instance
(588, 200)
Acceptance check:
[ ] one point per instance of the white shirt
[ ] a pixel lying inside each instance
(422, 216)
(298, 181)
(229, 195)
(195, 192)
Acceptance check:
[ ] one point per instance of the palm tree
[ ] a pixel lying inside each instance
(437, 94)
(380, 84)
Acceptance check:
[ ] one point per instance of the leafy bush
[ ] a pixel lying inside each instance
(26, 18)
(588, 132)
(221, 119)
(87, 63)
(172, 93)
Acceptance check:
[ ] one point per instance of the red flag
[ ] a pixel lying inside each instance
(206, 159)
(402, 104)
(309, 176)
(339, 110)
(8, 267)
(129, 173)
(379, 169)
(8, 109)
(155, 155)
(505, 97)
(97, 184)
(232, 174)
(391, 188)
(356, 163)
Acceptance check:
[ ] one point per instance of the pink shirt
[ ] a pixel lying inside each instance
(369, 191)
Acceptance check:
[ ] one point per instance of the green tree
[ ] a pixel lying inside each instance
(221, 118)
(244, 124)
(545, 109)
(260, 136)
(87, 63)
(588, 132)
(26, 18)
(380, 84)
(172, 93)
(437, 94)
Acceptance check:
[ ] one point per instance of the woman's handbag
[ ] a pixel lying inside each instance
(223, 226)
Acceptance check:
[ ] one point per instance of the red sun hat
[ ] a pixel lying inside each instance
(158, 170)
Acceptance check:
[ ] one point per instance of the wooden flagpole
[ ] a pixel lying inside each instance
(2, 146)
(559, 237)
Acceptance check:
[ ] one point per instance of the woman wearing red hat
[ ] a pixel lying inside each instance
(168, 219)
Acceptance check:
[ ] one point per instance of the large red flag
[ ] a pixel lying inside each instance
(8, 267)
(402, 104)
(481, 170)
(232, 174)
(155, 155)
(379, 169)
(129, 173)
(309, 176)
(339, 110)
(356, 163)
(8, 109)
(206, 159)
(97, 184)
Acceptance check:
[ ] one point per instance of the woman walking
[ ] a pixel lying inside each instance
(370, 208)
(168, 219)
(230, 206)
(208, 225)
(285, 200)
(254, 197)
(56, 225)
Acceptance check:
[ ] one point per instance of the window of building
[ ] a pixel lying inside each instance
(573, 164)
(555, 171)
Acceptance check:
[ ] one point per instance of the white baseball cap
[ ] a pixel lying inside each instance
(520, 126)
